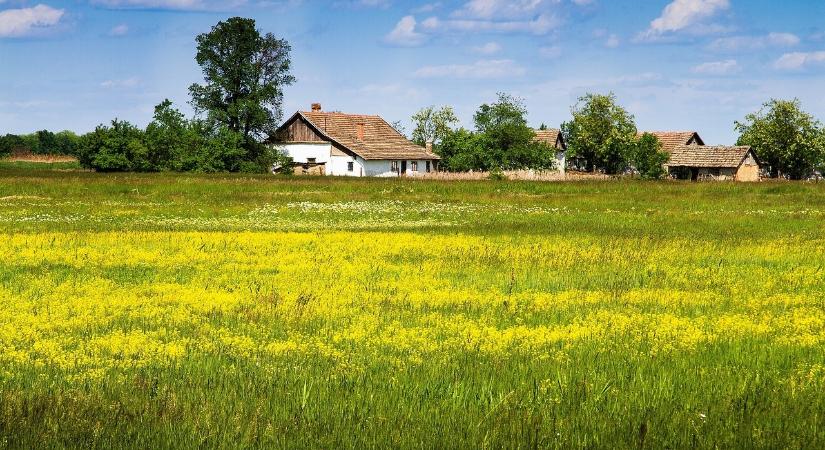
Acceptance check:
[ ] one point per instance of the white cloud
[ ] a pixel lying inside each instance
(119, 30)
(405, 34)
(153, 4)
(490, 48)
(27, 21)
(612, 41)
(478, 16)
(484, 69)
(540, 25)
(799, 60)
(717, 67)
(427, 8)
(682, 14)
(737, 43)
(125, 83)
(551, 52)
(499, 9)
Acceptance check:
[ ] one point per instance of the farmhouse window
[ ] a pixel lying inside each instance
(310, 160)
(428, 166)
(350, 166)
(393, 166)
(414, 166)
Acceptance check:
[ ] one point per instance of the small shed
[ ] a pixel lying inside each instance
(554, 138)
(718, 162)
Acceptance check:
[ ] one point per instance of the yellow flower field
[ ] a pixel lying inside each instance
(206, 331)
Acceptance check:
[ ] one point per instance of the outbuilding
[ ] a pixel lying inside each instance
(554, 138)
(335, 143)
(717, 162)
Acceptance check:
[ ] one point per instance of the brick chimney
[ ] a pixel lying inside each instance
(429, 146)
(316, 107)
(360, 130)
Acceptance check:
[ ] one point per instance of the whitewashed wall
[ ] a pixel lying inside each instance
(561, 161)
(337, 164)
(381, 168)
(333, 164)
(300, 153)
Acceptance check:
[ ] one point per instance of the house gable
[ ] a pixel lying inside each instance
(298, 130)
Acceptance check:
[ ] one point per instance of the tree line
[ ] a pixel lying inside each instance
(602, 137)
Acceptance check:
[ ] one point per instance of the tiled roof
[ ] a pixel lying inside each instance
(549, 136)
(673, 139)
(380, 139)
(707, 156)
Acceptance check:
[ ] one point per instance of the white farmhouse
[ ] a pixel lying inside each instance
(334, 143)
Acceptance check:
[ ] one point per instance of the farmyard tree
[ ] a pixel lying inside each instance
(432, 124)
(245, 73)
(602, 133)
(786, 139)
(648, 157)
(506, 140)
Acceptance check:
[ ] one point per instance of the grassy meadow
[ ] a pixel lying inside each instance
(191, 311)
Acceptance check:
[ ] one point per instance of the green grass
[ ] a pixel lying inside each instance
(353, 313)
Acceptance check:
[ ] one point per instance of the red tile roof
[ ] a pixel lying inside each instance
(672, 139)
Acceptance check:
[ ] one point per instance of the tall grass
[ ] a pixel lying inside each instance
(158, 311)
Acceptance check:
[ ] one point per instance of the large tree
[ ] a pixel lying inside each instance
(602, 133)
(507, 141)
(245, 73)
(433, 124)
(786, 139)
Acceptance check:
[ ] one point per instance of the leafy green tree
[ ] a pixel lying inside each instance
(788, 140)
(460, 151)
(648, 157)
(44, 142)
(507, 142)
(10, 143)
(432, 124)
(118, 148)
(602, 133)
(65, 143)
(245, 73)
(169, 137)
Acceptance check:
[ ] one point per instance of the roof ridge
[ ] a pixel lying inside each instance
(339, 113)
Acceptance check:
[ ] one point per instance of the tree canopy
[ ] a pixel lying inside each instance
(502, 140)
(245, 74)
(602, 134)
(432, 124)
(789, 141)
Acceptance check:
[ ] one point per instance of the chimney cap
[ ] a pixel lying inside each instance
(316, 107)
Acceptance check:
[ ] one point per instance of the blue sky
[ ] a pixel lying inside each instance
(674, 64)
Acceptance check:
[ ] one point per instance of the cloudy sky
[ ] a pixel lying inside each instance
(675, 64)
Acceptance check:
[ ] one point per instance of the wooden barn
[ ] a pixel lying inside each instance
(334, 143)
(692, 162)
(554, 138)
